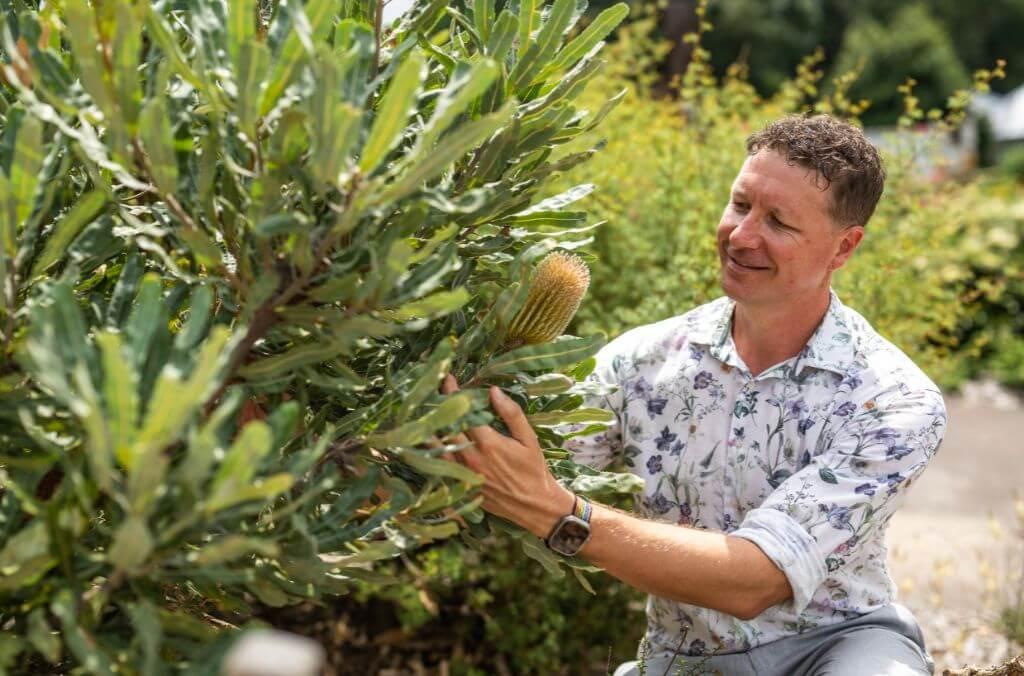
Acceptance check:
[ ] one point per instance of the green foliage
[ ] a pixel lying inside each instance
(1011, 163)
(241, 246)
(951, 37)
(994, 329)
(913, 276)
(924, 51)
(499, 609)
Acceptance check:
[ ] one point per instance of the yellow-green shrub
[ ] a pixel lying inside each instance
(665, 175)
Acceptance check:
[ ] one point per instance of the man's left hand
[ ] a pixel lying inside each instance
(518, 485)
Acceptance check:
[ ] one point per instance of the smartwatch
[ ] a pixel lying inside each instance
(572, 531)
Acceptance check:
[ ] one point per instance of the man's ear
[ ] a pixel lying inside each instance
(849, 240)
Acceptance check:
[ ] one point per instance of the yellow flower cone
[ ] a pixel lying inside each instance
(556, 290)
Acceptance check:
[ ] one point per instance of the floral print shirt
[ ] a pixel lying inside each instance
(808, 459)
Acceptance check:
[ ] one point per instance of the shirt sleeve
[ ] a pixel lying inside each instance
(811, 524)
(599, 449)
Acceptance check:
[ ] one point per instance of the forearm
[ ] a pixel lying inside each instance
(702, 568)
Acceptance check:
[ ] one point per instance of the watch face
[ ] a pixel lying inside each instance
(569, 536)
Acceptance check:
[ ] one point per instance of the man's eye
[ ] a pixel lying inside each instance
(740, 206)
(775, 220)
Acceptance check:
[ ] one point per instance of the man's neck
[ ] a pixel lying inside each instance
(768, 335)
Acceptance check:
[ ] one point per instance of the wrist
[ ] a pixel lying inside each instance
(557, 502)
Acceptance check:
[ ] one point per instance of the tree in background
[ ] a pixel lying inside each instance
(923, 51)
(936, 42)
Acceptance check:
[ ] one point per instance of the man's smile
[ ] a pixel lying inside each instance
(735, 264)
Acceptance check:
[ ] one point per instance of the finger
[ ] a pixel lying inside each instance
(461, 450)
(514, 418)
(482, 435)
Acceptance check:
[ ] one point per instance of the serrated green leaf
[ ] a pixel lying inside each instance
(29, 543)
(546, 357)
(368, 552)
(335, 134)
(203, 247)
(529, 19)
(42, 637)
(598, 30)
(230, 547)
(253, 66)
(145, 318)
(430, 466)
(607, 484)
(242, 459)
(80, 643)
(396, 106)
(448, 413)
(436, 367)
(163, 36)
(145, 478)
(84, 211)
(180, 623)
(204, 443)
(145, 619)
(132, 544)
(451, 148)
(157, 138)
(436, 305)
(260, 490)
(86, 45)
(175, 399)
(11, 646)
(554, 28)
(121, 397)
(483, 17)
(241, 28)
(503, 36)
(429, 532)
(607, 107)
(296, 358)
(293, 53)
(464, 87)
(125, 54)
(549, 383)
(18, 188)
(535, 549)
(281, 224)
(579, 415)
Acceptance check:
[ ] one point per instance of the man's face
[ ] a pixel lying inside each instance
(777, 242)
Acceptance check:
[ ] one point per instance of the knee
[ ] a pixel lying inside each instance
(875, 651)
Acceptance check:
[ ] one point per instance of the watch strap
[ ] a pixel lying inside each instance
(581, 508)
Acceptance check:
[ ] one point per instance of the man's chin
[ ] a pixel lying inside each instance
(734, 289)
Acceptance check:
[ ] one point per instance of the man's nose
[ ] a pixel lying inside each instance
(747, 234)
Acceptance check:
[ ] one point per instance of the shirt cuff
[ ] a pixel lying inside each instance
(790, 547)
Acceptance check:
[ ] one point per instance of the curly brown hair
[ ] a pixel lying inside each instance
(840, 155)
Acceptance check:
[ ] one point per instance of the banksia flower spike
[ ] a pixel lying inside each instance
(557, 287)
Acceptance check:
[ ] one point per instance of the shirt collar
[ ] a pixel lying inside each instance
(831, 347)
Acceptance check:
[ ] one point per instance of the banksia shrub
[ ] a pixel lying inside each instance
(241, 246)
(556, 290)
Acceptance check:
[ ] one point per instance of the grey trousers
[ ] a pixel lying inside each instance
(886, 642)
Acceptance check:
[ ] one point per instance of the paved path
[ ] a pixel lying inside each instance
(957, 546)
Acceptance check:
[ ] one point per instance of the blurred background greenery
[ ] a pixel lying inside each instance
(941, 272)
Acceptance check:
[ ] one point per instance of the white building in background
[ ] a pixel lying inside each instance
(394, 9)
(1005, 113)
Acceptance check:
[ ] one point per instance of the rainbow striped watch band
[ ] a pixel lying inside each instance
(581, 508)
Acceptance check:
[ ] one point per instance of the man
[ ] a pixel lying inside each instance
(776, 431)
